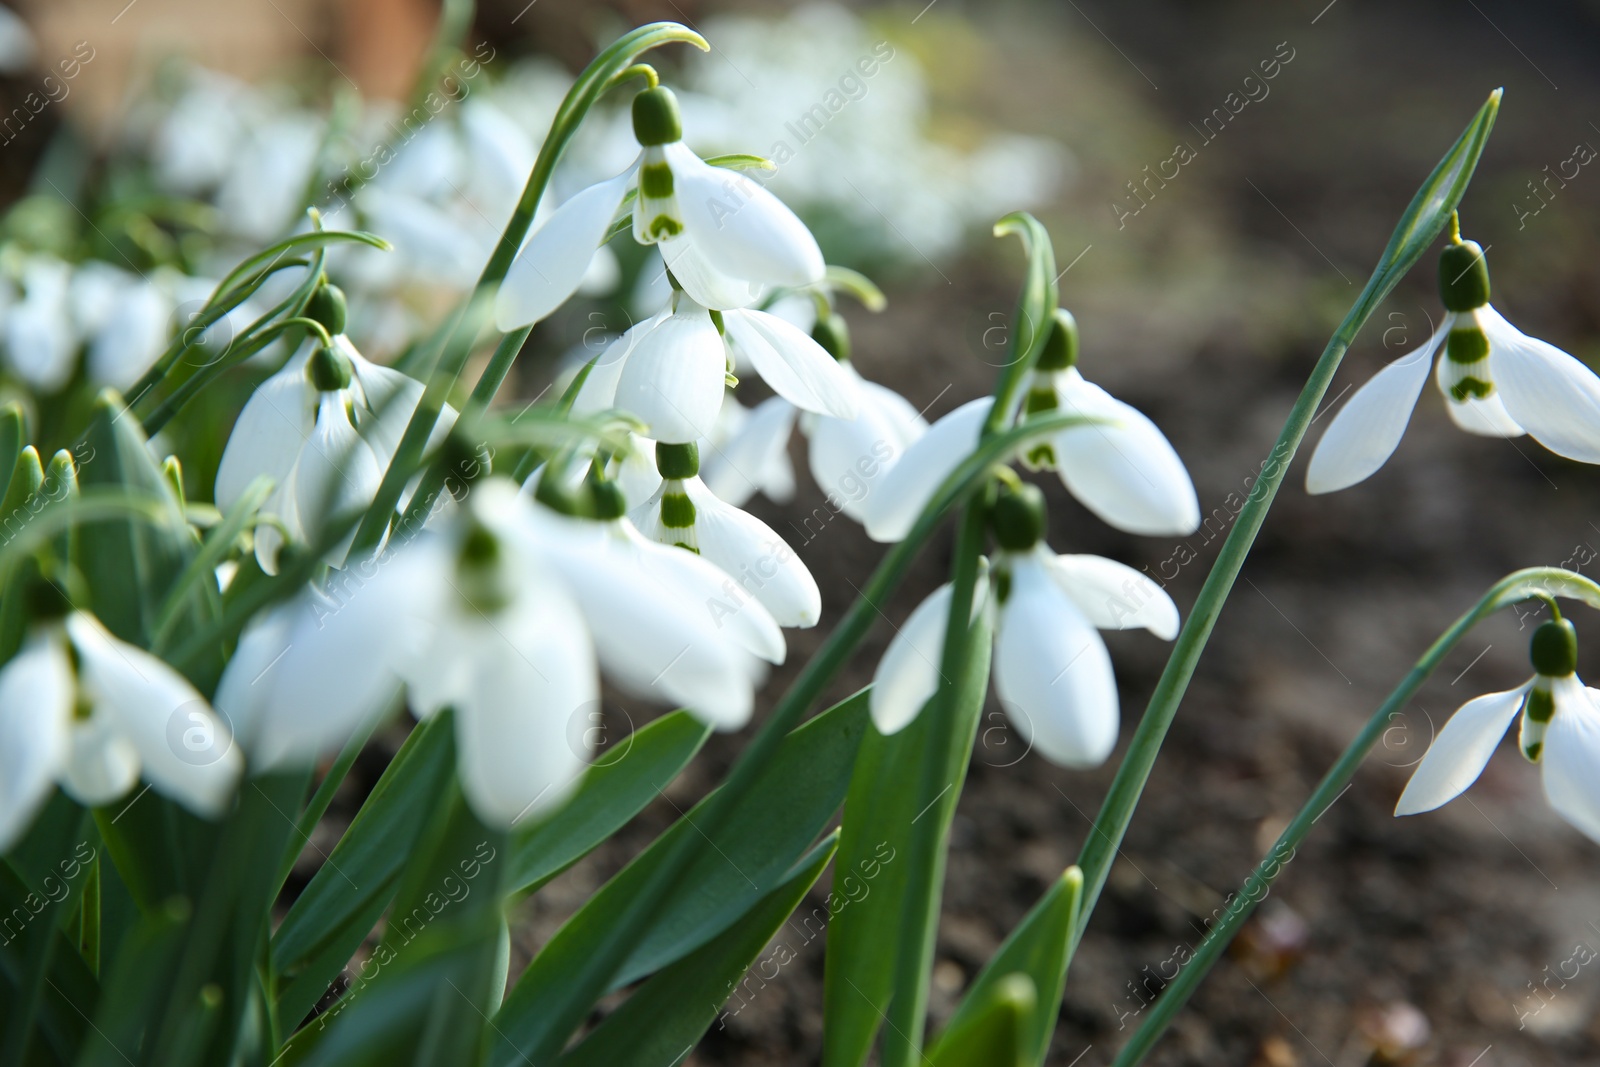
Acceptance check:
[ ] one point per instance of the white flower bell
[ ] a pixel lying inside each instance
(1051, 669)
(94, 713)
(1497, 382)
(723, 236)
(1119, 466)
(1560, 732)
(759, 563)
(324, 428)
(671, 369)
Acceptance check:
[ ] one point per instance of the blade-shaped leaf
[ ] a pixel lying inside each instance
(611, 793)
(994, 1034)
(751, 854)
(1039, 947)
(670, 1012)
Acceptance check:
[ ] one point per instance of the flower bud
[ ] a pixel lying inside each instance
(833, 335)
(1554, 649)
(328, 370)
(1463, 276)
(677, 461)
(1061, 343)
(655, 117)
(327, 306)
(1018, 517)
(607, 500)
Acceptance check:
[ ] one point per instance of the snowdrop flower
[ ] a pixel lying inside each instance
(94, 713)
(723, 236)
(1560, 731)
(1496, 380)
(1119, 466)
(40, 339)
(324, 428)
(1051, 669)
(671, 370)
(686, 514)
(748, 452)
(666, 625)
(847, 456)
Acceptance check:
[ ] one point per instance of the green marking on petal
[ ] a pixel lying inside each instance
(1541, 705)
(677, 511)
(1040, 398)
(655, 181)
(1470, 387)
(664, 226)
(686, 547)
(1533, 751)
(1466, 345)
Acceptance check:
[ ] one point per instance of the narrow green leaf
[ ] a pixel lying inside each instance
(994, 1034)
(366, 863)
(1039, 947)
(13, 435)
(669, 1013)
(135, 986)
(612, 792)
(200, 572)
(750, 854)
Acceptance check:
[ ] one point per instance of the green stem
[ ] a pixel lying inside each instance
(1541, 582)
(908, 1008)
(588, 983)
(463, 337)
(1421, 224)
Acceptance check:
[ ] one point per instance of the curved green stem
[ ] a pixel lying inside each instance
(1422, 222)
(1541, 582)
(458, 345)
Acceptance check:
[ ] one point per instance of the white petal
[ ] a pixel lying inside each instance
(849, 456)
(907, 487)
(908, 674)
(1123, 470)
(390, 399)
(521, 724)
(186, 752)
(599, 389)
(1551, 394)
(796, 367)
(1367, 430)
(674, 379)
(760, 562)
(1461, 751)
(269, 433)
(1052, 672)
(755, 457)
(741, 619)
(1572, 758)
(1113, 596)
(553, 261)
(336, 476)
(35, 706)
(703, 282)
(102, 765)
(741, 229)
(650, 640)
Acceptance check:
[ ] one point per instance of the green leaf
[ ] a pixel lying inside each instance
(994, 1034)
(660, 1022)
(200, 573)
(750, 854)
(13, 434)
(611, 794)
(330, 918)
(1039, 947)
(135, 987)
(885, 809)
(128, 565)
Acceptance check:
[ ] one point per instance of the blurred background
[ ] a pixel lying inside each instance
(147, 145)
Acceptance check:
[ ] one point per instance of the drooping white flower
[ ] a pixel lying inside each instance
(1560, 732)
(84, 709)
(1119, 465)
(723, 236)
(324, 428)
(671, 369)
(685, 514)
(1051, 669)
(41, 341)
(1497, 382)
